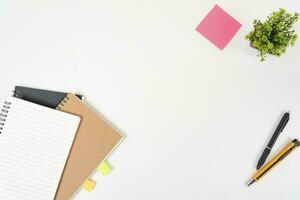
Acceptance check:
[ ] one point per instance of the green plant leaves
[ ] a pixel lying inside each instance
(274, 35)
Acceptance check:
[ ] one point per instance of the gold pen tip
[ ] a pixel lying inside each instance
(250, 182)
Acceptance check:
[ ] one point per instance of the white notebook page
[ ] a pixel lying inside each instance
(34, 145)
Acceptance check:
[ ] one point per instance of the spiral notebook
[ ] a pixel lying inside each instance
(46, 98)
(51, 99)
(35, 143)
(95, 139)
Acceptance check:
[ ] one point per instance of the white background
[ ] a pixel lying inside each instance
(195, 118)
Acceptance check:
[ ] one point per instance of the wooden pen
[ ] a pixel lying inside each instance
(291, 146)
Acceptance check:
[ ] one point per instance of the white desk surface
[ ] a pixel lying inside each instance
(195, 118)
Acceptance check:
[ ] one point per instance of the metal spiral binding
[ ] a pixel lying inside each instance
(15, 93)
(3, 114)
(62, 103)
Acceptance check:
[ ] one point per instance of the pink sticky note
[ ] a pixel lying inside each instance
(218, 27)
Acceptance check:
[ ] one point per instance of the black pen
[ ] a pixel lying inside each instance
(284, 120)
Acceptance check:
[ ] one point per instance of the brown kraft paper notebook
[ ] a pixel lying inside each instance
(94, 140)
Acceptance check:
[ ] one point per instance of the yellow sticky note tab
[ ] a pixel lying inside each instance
(104, 168)
(89, 185)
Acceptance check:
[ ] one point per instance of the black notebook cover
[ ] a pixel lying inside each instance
(46, 98)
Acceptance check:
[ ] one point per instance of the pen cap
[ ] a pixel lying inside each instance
(297, 143)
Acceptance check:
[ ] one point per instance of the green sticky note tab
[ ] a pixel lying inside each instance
(104, 168)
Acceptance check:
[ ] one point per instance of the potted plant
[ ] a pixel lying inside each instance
(274, 35)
